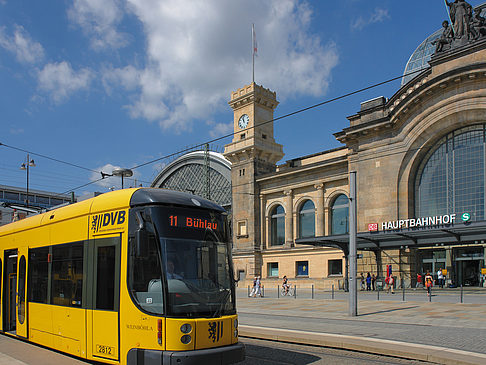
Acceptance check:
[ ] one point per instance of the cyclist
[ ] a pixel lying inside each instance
(286, 284)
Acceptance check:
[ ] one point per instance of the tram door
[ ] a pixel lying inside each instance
(22, 292)
(106, 298)
(10, 291)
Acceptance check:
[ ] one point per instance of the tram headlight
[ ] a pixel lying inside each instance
(236, 333)
(186, 328)
(236, 323)
(186, 339)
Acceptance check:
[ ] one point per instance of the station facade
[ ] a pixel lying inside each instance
(420, 159)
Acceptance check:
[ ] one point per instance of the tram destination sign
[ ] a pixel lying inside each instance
(438, 220)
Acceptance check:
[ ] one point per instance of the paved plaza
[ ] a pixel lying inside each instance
(412, 325)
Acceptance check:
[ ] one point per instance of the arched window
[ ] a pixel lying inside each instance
(340, 215)
(451, 177)
(277, 226)
(307, 222)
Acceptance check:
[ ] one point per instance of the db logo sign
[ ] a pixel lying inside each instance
(373, 227)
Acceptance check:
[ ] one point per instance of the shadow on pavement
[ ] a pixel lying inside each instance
(266, 355)
(388, 311)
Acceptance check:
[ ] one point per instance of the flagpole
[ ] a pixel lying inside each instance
(253, 49)
(447, 10)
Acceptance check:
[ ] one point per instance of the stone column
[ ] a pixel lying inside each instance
(320, 210)
(327, 222)
(289, 219)
(263, 225)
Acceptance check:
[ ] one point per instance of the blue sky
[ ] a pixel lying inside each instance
(117, 83)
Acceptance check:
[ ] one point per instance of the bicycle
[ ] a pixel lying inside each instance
(289, 292)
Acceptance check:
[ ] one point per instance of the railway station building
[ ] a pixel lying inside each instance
(420, 160)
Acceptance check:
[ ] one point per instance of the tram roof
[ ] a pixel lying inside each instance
(114, 200)
(462, 233)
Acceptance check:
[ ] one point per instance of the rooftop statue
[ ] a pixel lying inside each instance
(461, 15)
(444, 42)
(467, 26)
(478, 25)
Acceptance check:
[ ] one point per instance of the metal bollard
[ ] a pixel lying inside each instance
(462, 295)
(430, 296)
(262, 294)
(403, 293)
(312, 291)
(278, 291)
(332, 292)
(248, 290)
(295, 291)
(378, 291)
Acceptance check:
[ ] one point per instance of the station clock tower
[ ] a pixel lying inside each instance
(252, 152)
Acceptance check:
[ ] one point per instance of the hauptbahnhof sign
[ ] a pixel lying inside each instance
(439, 220)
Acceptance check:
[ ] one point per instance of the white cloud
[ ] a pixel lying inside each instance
(99, 20)
(59, 80)
(378, 16)
(198, 51)
(21, 44)
(219, 129)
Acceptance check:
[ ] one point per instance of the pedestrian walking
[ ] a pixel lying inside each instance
(440, 278)
(258, 287)
(373, 282)
(429, 281)
(368, 282)
(389, 281)
(362, 281)
(253, 289)
(419, 281)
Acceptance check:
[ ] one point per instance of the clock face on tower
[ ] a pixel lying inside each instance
(243, 121)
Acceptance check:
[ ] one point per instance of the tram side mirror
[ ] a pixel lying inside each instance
(142, 242)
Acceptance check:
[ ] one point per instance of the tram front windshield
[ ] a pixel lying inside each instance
(194, 257)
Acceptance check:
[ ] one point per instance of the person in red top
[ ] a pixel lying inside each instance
(419, 281)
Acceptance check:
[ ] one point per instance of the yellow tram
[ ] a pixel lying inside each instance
(135, 276)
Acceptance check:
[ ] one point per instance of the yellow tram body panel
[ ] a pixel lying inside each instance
(101, 335)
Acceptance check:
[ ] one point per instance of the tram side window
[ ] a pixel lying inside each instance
(67, 275)
(145, 274)
(105, 281)
(38, 275)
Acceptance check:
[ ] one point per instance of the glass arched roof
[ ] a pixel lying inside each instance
(187, 173)
(420, 58)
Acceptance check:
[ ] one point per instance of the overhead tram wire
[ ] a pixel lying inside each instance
(215, 139)
(281, 117)
(49, 158)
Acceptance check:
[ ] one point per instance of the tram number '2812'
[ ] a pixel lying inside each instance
(105, 350)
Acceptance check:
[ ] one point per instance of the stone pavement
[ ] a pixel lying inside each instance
(454, 333)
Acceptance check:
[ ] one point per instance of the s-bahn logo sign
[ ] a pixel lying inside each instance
(105, 222)
(439, 220)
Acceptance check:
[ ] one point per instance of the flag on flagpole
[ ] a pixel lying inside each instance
(255, 46)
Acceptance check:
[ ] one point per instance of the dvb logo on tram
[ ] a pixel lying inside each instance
(107, 221)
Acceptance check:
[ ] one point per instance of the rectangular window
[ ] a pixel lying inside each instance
(272, 269)
(67, 274)
(302, 268)
(11, 196)
(42, 199)
(242, 228)
(55, 201)
(105, 277)
(335, 267)
(38, 275)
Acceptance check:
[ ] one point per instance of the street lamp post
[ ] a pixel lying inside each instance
(26, 166)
